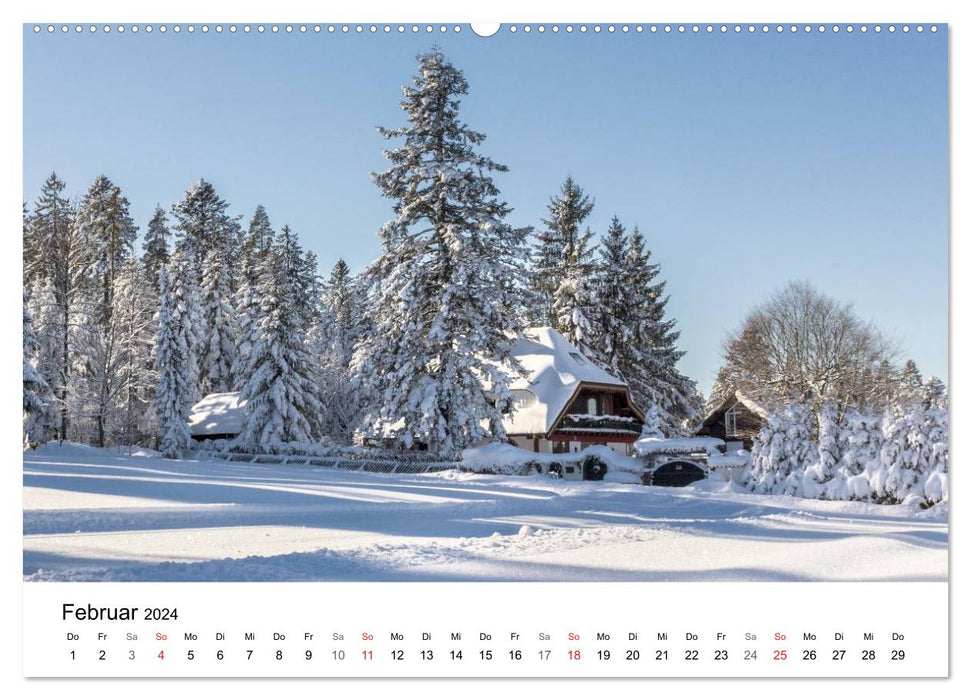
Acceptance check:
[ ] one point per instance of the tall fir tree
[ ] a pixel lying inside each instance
(340, 312)
(105, 234)
(175, 362)
(566, 211)
(155, 248)
(105, 226)
(203, 224)
(650, 363)
(209, 236)
(280, 393)
(909, 385)
(255, 251)
(216, 355)
(448, 306)
(259, 235)
(612, 332)
(332, 338)
(886, 379)
(575, 302)
(183, 284)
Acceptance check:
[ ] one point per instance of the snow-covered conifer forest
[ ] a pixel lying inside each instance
(127, 324)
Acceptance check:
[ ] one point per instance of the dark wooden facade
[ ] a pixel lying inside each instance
(597, 415)
(732, 421)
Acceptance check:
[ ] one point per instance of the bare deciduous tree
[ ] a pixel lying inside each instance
(802, 345)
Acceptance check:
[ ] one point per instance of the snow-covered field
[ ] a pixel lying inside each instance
(95, 515)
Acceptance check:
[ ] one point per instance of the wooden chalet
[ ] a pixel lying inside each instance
(566, 402)
(737, 421)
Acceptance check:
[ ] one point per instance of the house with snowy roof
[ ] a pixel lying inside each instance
(564, 402)
(737, 420)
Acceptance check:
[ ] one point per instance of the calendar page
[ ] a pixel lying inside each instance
(429, 349)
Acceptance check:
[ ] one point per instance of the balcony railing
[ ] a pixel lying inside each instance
(586, 423)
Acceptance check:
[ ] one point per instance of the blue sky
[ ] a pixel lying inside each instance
(747, 160)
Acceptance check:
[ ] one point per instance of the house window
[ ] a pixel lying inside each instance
(560, 447)
(523, 398)
(592, 406)
(731, 421)
(578, 358)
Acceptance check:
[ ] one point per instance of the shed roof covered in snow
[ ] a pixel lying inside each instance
(217, 415)
(555, 371)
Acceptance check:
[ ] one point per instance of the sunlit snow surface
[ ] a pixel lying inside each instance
(93, 515)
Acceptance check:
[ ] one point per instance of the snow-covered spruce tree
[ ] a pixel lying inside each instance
(823, 478)
(575, 302)
(567, 212)
(175, 363)
(862, 440)
(155, 248)
(782, 453)
(652, 423)
(104, 225)
(886, 380)
(255, 251)
(209, 237)
(935, 446)
(332, 338)
(768, 451)
(37, 406)
(896, 474)
(106, 233)
(612, 331)
(259, 235)
(183, 276)
(281, 396)
(912, 427)
(310, 288)
(447, 309)
(340, 312)
(203, 224)
(914, 456)
(219, 321)
(58, 263)
(908, 385)
(650, 363)
(801, 447)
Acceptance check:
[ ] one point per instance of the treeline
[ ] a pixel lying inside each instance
(898, 455)
(415, 349)
(842, 419)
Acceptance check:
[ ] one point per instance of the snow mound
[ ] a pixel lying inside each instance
(74, 449)
(652, 446)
